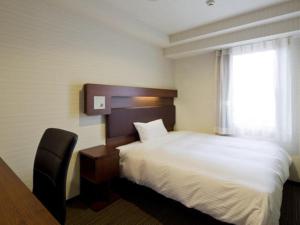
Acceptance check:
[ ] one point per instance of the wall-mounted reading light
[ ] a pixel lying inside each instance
(143, 101)
(146, 98)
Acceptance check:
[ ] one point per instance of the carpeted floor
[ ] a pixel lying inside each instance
(141, 206)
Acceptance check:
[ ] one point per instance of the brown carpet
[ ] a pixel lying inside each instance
(142, 206)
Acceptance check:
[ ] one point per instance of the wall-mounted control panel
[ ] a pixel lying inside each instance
(99, 102)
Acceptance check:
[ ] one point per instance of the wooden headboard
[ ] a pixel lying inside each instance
(125, 105)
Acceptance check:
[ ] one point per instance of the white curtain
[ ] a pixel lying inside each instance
(255, 92)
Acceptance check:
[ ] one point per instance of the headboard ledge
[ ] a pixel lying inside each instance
(110, 93)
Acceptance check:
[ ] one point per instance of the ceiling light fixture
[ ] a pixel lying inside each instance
(210, 2)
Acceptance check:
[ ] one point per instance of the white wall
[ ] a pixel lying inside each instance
(46, 55)
(196, 83)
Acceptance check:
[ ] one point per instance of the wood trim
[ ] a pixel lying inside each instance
(110, 91)
(119, 124)
(125, 105)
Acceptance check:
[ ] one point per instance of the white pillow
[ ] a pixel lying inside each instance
(151, 130)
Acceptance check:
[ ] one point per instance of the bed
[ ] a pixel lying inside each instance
(235, 180)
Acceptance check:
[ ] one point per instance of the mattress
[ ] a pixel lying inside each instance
(235, 180)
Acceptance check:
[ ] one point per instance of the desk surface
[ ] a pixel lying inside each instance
(17, 204)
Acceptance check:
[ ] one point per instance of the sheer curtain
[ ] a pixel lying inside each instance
(255, 92)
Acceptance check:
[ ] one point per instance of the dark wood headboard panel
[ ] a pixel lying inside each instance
(125, 105)
(119, 124)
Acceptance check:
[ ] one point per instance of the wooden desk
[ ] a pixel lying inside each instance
(17, 203)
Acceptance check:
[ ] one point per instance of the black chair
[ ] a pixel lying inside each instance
(50, 170)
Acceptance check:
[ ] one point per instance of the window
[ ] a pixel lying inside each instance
(253, 93)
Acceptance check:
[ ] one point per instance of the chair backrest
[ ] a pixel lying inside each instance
(50, 170)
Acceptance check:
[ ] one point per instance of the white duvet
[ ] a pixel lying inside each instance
(235, 180)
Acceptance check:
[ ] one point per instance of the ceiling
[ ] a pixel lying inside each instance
(157, 21)
(171, 16)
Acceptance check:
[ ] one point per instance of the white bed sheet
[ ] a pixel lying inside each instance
(234, 180)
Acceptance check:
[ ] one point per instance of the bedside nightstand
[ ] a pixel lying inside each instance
(98, 167)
